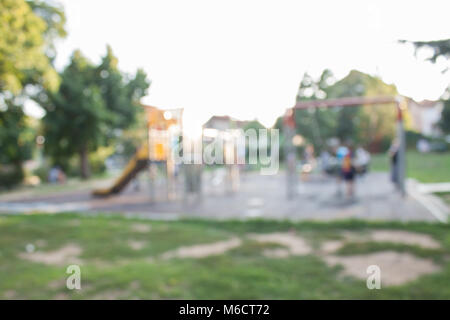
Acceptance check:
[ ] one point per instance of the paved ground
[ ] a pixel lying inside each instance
(258, 196)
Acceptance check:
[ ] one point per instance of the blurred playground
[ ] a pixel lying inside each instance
(269, 160)
(165, 225)
(162, 180)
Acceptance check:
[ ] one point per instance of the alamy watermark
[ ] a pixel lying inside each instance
(374, 278)
(233, 147)
(74, 280)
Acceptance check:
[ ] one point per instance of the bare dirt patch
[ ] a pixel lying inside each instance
(396, 268)
(203, 250)
(135, 285)
(61, 296)
(405, 237)
(41, 243)
(295, 245)
(136, 245)
(74, 223)
(140, 227)
(393, 236)
(63, 256)
(331, 246)
(57, 284)
(10, 294)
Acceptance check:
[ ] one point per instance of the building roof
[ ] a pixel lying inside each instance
(424, 103)
(226, 122)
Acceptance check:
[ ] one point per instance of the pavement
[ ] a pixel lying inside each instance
(258, 197)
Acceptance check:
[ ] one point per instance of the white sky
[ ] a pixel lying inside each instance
(246, 58)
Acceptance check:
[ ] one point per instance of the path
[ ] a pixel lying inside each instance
(259, 197)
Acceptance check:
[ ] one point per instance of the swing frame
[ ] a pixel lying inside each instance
(400, 103)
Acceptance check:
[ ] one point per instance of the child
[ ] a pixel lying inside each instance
(348, 172)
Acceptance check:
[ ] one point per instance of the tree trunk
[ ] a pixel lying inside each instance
(84, 162)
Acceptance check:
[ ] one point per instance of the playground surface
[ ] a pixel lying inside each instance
(258, 197)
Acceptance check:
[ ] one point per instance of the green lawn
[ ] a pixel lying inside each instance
(445, 196)
(425, 167)
(44, 189)
(112, 269)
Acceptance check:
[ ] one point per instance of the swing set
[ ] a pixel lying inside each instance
(289, 131)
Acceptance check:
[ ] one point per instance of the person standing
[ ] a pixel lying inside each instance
(393, 155)
(341, 152)
(348, 172)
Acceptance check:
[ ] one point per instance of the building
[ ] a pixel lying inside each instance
(425, 116)
(225, 123)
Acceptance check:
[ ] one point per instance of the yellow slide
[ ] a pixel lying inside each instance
(136, 164)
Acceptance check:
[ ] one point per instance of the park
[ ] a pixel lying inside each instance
(154, 194)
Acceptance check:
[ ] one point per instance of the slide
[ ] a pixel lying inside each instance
(136, 164)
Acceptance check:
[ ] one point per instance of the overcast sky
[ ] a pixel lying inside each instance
(246, 58)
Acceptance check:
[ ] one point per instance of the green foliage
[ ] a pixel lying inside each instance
(114, 92)
(42, 172)
(22, 43)
(92, 107)
(75, 112)
(55, 20)
(315, 125)
(444, 123)
(26, 31)
(372, 126)
(441, 48)
(15, 143)
(97, 159)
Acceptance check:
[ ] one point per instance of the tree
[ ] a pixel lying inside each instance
(440, 48)
(120, 96)
(55, 21)
(23, 63)
(75, 115)
(372, 126)
(315, 125)
(22, 41)
(15, 144)
(444, 123)
(91, 108)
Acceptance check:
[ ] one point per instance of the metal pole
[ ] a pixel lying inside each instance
(289, 152)
(401, 157)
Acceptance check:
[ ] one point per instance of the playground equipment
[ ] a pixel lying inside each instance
(232, 153)
(289, 130)
(164, 135)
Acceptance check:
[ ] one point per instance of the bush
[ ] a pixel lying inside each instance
(42, 172)
(412, 137)
(97, 159)
(10, 175)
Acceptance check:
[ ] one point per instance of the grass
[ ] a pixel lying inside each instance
(445, 196)
(368, 247)
(45, 189)
(111, 269)
(425, 167)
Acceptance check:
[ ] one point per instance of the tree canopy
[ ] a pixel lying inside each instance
(22, 47)
(441, 48)
(91, 107)
(27, 30)
(371, 126)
